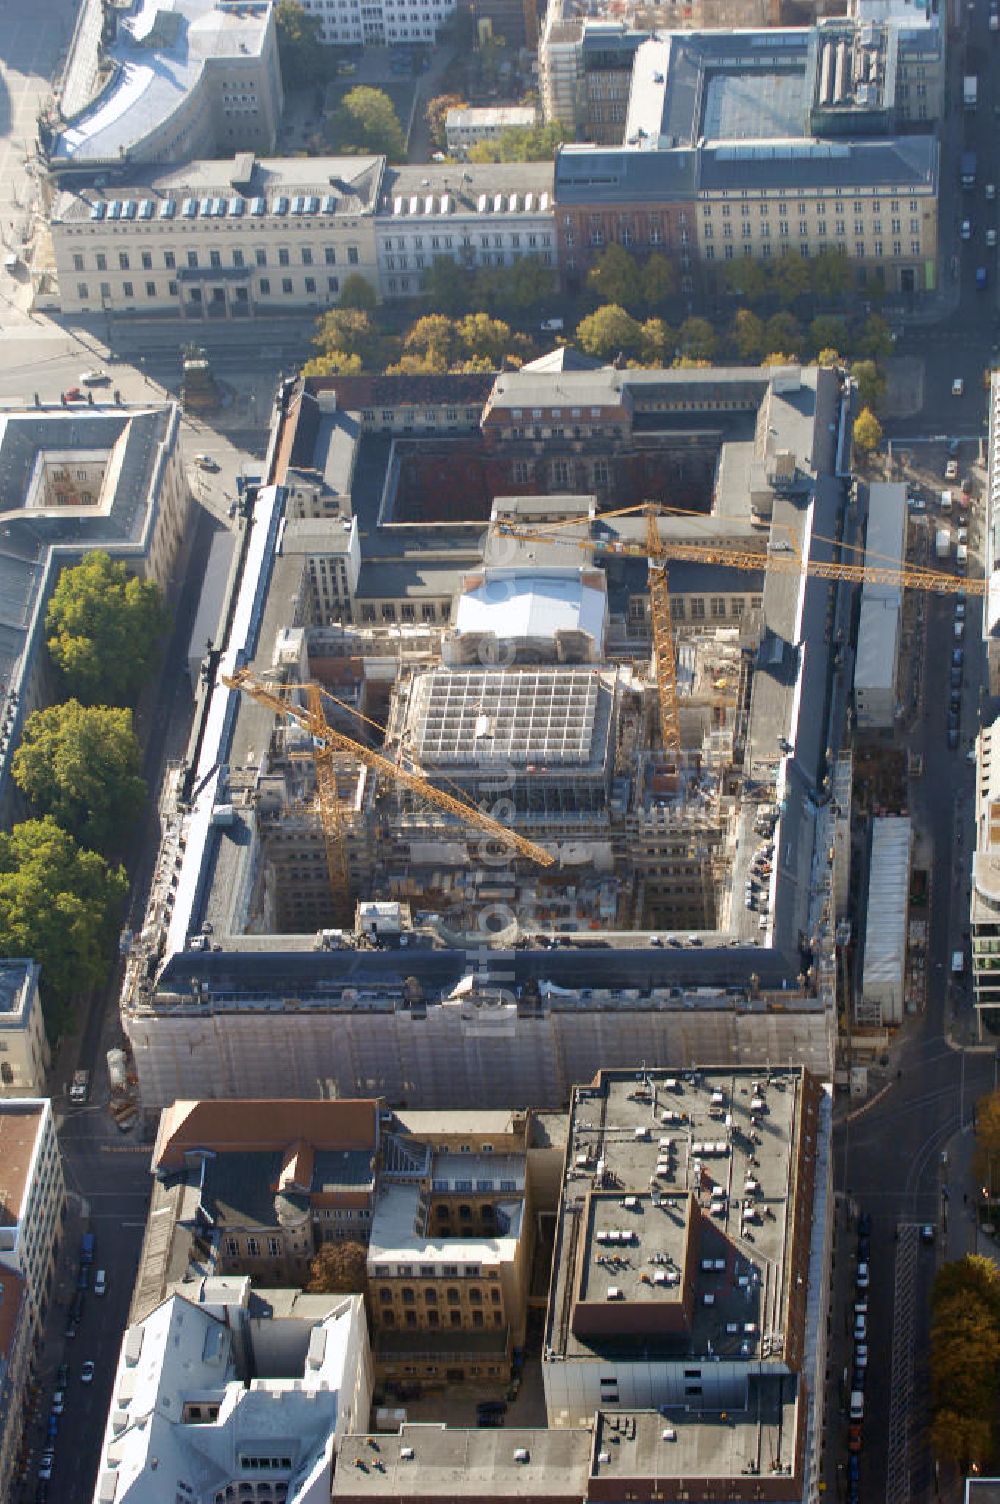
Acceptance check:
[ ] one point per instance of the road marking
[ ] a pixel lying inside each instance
(897, 1483)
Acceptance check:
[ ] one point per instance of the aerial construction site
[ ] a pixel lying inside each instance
(520, 750)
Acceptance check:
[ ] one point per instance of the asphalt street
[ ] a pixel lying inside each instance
(890, 1157)
(108, 1177)
(964, 331)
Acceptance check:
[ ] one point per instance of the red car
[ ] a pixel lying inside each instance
(73, 394)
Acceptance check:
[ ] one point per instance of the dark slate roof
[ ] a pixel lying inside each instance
(622, 174)
(905, 161)
(321, 976)
(630, 174)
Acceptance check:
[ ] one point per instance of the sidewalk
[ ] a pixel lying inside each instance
(959, 1205)
(52, 1350)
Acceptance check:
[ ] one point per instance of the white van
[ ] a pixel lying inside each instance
(857, 1405)
(957, 963)
(946, 501)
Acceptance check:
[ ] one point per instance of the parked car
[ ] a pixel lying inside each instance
(951, 470)
(861, 1355)
(957, 387)
(58, 1402)
(206, 462)
(860, 1327)
(861, 1277)
(45, 1464)
(87, 1372)
(96, 377)
(72, 394)
(62, 1375)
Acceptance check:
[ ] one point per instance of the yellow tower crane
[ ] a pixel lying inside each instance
(327, 742)
(662, 622)
(658, 550)
(328, 801)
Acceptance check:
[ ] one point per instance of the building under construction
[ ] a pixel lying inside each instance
(579, 738)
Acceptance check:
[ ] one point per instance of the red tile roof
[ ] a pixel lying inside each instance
(19, 1130)
(267, 1123)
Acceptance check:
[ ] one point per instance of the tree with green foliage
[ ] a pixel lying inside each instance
(357, 292)
(60, 904)
(829, 358)
(609, 331)
(105, 630)
(831, 276)
(867, 431)
(484, 339)
(526, 285)
(748, 279)
(659, 280)
(366, 121)
(81, 765)
(872, 383)
(828, 332)
(659, 342)
(747, 335)
(782, 332)
(436, 115)
(614, 277)
(874, 338)
(535, 143)
(790, 279)
(447, 287)
(301, 52)
(697, 340)
(339, 1269)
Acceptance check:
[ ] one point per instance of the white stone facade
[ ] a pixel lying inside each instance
(219, 239)
(356, 23)
(36, 1199)
(24, 1049)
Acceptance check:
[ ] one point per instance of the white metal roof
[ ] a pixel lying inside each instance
(888, 892)
(513, 603)
(886, 539)
(878, 641)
